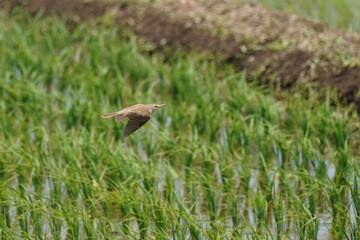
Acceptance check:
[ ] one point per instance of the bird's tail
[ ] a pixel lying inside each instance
(108, 115)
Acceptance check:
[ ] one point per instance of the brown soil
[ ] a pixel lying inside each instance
(242, 34)
(159, 29)
(291, 67)
(347, 80)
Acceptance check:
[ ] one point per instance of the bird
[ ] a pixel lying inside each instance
(137, 114)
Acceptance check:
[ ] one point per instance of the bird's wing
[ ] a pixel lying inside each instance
(134, 124)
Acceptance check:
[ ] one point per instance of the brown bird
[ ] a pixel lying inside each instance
(138, 115)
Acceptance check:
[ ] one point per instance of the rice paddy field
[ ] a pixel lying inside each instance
(344, 14)
(226, 159)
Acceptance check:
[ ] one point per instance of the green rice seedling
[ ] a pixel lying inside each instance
(105, 203)
(5, 209)
(194, 231)
(193, 192)
(235, 213)
(72, 219)
(229, 186)
(322, 128)
(88, 190)
(149, 179)
(342, 169)
(260, 205)
(5, 233)
(126, 213)
(73, 189)
(211, 196)
(120, 170)
(177, 232)
(193, 228)
(89, 225)
(307, 222)
(356, 205)
(338, 213)
(161, 221)
(320, 167)
(245, 185)
(56, 222)
(279, 216)
(56, 193)
(295, 119)
(105, 229)
(36, 212)
(283, 151)
(129, 64)
(139, 212)
(22, 216)
(302, 158)
(22, 211)
(225, 168)
(188, 164)
(311, 194)
(299, 210)
(210, 193)
(169, 188)
(266, 183)
(262, 139)
(341, 131)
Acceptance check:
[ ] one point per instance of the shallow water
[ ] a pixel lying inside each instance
(200, 215)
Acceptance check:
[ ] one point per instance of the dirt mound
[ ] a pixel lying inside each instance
(347, 81)
(277, 46)
(158, 28)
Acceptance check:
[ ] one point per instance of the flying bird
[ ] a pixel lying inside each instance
(137, 114)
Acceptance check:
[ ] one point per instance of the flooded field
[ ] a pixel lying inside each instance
(226, 159)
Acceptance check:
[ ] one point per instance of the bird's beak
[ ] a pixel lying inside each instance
(162, 105)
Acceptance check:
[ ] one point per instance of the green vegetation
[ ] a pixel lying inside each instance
(343, 14)
(224, 160)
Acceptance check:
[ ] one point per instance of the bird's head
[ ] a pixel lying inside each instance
(154, 107)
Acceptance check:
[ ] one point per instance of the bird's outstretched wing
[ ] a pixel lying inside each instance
(134, 124)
